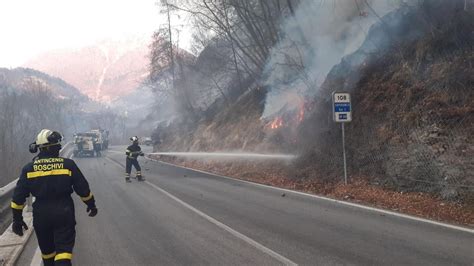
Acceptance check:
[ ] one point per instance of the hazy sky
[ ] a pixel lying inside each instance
(29, 27)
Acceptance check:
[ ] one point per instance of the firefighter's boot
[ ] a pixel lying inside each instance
(139, 176)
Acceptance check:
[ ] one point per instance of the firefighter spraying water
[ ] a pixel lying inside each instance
(132, 152)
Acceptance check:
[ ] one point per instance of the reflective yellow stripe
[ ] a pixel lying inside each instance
(46, 173)
(17, 206)
(63, 256)
(48, 256)
(88, 197)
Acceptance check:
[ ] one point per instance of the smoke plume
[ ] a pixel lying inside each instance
(315, 39)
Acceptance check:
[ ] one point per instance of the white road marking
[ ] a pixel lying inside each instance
(406, 216)
(233, 232)
(243, 237)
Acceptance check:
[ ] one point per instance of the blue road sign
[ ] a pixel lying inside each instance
(342, 107)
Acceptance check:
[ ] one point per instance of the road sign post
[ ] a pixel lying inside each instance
(342, 113)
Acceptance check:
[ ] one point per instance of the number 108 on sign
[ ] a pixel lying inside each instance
(342, 111)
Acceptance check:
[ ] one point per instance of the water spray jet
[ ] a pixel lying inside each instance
(228, 155)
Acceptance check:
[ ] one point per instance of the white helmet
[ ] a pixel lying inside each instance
(48, 137)
(134, 139)
(44, 139)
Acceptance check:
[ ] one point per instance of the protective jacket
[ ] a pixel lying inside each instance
(133, 151)
(51, 180)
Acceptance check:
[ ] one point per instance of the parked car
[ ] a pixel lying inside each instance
(147, 141)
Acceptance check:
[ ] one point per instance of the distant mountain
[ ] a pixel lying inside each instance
(19, 79)
(103, 71)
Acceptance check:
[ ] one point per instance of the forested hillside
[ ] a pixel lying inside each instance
(264, 78)
(30, 101)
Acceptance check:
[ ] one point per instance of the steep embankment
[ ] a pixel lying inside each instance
(413, 105)
(236, 126)
(410, 145)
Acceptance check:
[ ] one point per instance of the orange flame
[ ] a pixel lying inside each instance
(289, 119)
(301, 113)
(276, 123)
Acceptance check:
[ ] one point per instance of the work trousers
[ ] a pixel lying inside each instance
(55, 226)
(128, 167)
(97, 150)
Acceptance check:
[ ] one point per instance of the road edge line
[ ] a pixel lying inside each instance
(221, 225)
(374, 209)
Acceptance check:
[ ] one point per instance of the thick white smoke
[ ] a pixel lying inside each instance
(319, 35)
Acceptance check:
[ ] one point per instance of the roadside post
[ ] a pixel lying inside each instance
(342, 113)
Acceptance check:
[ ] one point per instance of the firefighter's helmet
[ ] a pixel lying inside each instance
(134, 139)
(46, 138)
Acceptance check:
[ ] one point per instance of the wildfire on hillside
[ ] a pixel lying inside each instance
(301, 113)
(276, 123)
(287, 118)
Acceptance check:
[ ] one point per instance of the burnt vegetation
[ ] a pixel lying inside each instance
(411, 83)
(413, 104)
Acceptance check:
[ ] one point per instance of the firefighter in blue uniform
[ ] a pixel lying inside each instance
(51, 180)
(132, 152)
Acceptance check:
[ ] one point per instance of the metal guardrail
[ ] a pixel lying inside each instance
(6, 193)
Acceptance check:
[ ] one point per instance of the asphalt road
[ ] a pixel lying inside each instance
(183, 217)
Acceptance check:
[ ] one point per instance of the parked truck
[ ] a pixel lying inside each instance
(84, 144)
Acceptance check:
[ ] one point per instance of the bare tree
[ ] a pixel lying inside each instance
(22, 114)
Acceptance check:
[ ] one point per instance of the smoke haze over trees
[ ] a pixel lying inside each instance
(265, 43)
(257, 76)
(263, 73)
(30, 101)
